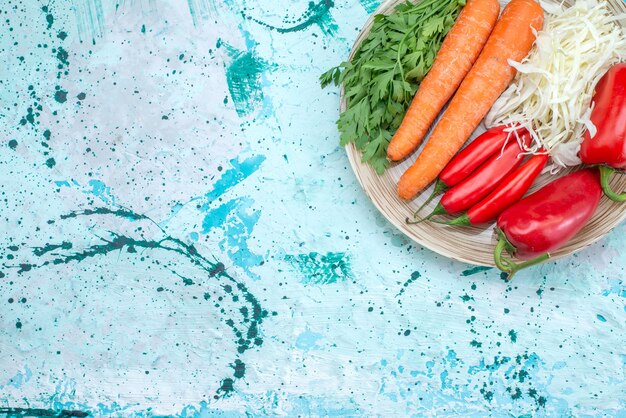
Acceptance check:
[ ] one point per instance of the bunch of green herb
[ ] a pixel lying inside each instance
(384, 74)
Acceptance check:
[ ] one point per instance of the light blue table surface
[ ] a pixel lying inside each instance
(182, 235)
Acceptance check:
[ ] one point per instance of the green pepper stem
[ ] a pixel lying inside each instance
(440, 187)
(462, 220)
(508, 266)
(439, 210)
(605, 175)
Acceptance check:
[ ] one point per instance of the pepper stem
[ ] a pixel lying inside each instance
(439, 210)
(605, 175)
(508, 266)
(440, 187)
(462, 220)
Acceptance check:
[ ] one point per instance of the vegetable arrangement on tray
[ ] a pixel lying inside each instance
(546, 79)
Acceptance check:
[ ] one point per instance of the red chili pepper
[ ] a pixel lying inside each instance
(547, 219)
(482, 182)
(608, 146)
(470, 158)
(511, 190)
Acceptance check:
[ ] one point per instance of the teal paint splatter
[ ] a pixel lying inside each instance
(60, 96)
(243, 76)
(240, 369)
(30, 117)
(50, 162)
(317, 13)
(237, 223)
(225, 389)
(49, 16)
(414, 276)
(240, 171)
(513, 336)
(475, 270)
(321, 269)
(487, 394)
(370, 6)
(13, 144)
(234, 217)
(62, 56)
(601, 318)
(515, 394)
(466, 298)
(245, 331)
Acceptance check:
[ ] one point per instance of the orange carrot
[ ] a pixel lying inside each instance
(512, 39)
(454, 60)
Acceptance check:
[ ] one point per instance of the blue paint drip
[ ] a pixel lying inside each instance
(308, 340)
(617, 287)
(101, 190)
(237, 224)
(19, 379)
(95, 187)
(233, 176)
(234, 217)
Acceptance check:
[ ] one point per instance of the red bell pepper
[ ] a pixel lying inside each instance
(483, 181)
(511, 190)
(544, 221)
(608, 146)
(470, 158)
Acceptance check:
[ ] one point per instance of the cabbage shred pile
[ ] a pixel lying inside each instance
(551, 96)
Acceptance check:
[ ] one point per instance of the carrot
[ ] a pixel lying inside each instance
(512, 39)
(454, 60)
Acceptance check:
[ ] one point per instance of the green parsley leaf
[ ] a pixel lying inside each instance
(385, 71)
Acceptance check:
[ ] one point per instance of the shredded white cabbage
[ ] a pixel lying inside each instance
(551, 96)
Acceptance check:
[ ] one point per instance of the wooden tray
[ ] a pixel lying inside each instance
(469, 245)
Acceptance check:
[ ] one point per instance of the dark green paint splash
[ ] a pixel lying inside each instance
(49, 16)
(475, 270)
(414, 276)
(60, 96)
(316, 14)
(121, 213)
(245, 330)
(39, 251)
(321, 269)
(49, 28)
(33, 412)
